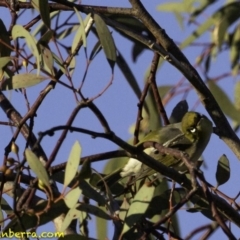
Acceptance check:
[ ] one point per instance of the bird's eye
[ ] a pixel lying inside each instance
(192, 130)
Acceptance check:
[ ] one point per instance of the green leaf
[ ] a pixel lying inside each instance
(59, 62)
(80, 34)
(203, 5)
(223, 170)
(66, 32)
(19, 31)
(42, 26)
(223, 18)
(138, 207)
(96, 211)
(4, 36)
(160, 202)
(46, 37)
(235, 51)
(72, 163)
(226, 105)
(237, 95)
(37, 167)
(91, 193)
(71, 215)
(72, 66)
(182, 7)
(72, 197)
(198, 32)
(85, 171)
(47, 58)
(178, 112)
(43, 8)
(106, 40)
(101, 227)
(124, 209)
(4, 61)
(23, 80)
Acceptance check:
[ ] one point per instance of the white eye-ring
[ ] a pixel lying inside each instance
(193, 130)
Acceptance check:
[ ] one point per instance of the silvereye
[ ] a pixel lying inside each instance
(191, 135)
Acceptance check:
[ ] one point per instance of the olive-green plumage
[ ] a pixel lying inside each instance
(191, 135)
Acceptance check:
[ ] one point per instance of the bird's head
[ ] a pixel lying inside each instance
(195, 126)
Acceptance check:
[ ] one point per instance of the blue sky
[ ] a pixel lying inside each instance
(119, 104)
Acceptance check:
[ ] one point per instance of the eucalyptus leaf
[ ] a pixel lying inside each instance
(85, 171)
(235, 50)
(94, 210)
(23, 80)
(37, 167)
(106, 40)
(91, 193)
(138, 207)
(227, 14)
(72, 197)
(80, 34)
(101, 226)
(71, 215)
(19, 31)
(4, 36)
(43, 8)
(237, 95)
(4, 61)
(72, 163)
(178, 112)
(47, 58)
(226, 105)
(223, 170)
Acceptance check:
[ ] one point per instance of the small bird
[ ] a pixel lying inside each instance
(191, 135)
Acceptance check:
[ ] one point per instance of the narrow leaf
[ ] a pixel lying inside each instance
(4, 36)
(226, 105)
(94, 210)
(72, 163)
(4, 61)
(71, 215)
(20, 31)
(80, 34)
(91, 193)
(178, 112)
(72, 197)
(47, 58)
(138, 207)
(237, 95)
(37, 167)
(23, 80)
(223, 170)
(85, 171)
(228, 14)
(43, 8)
(106, 40)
